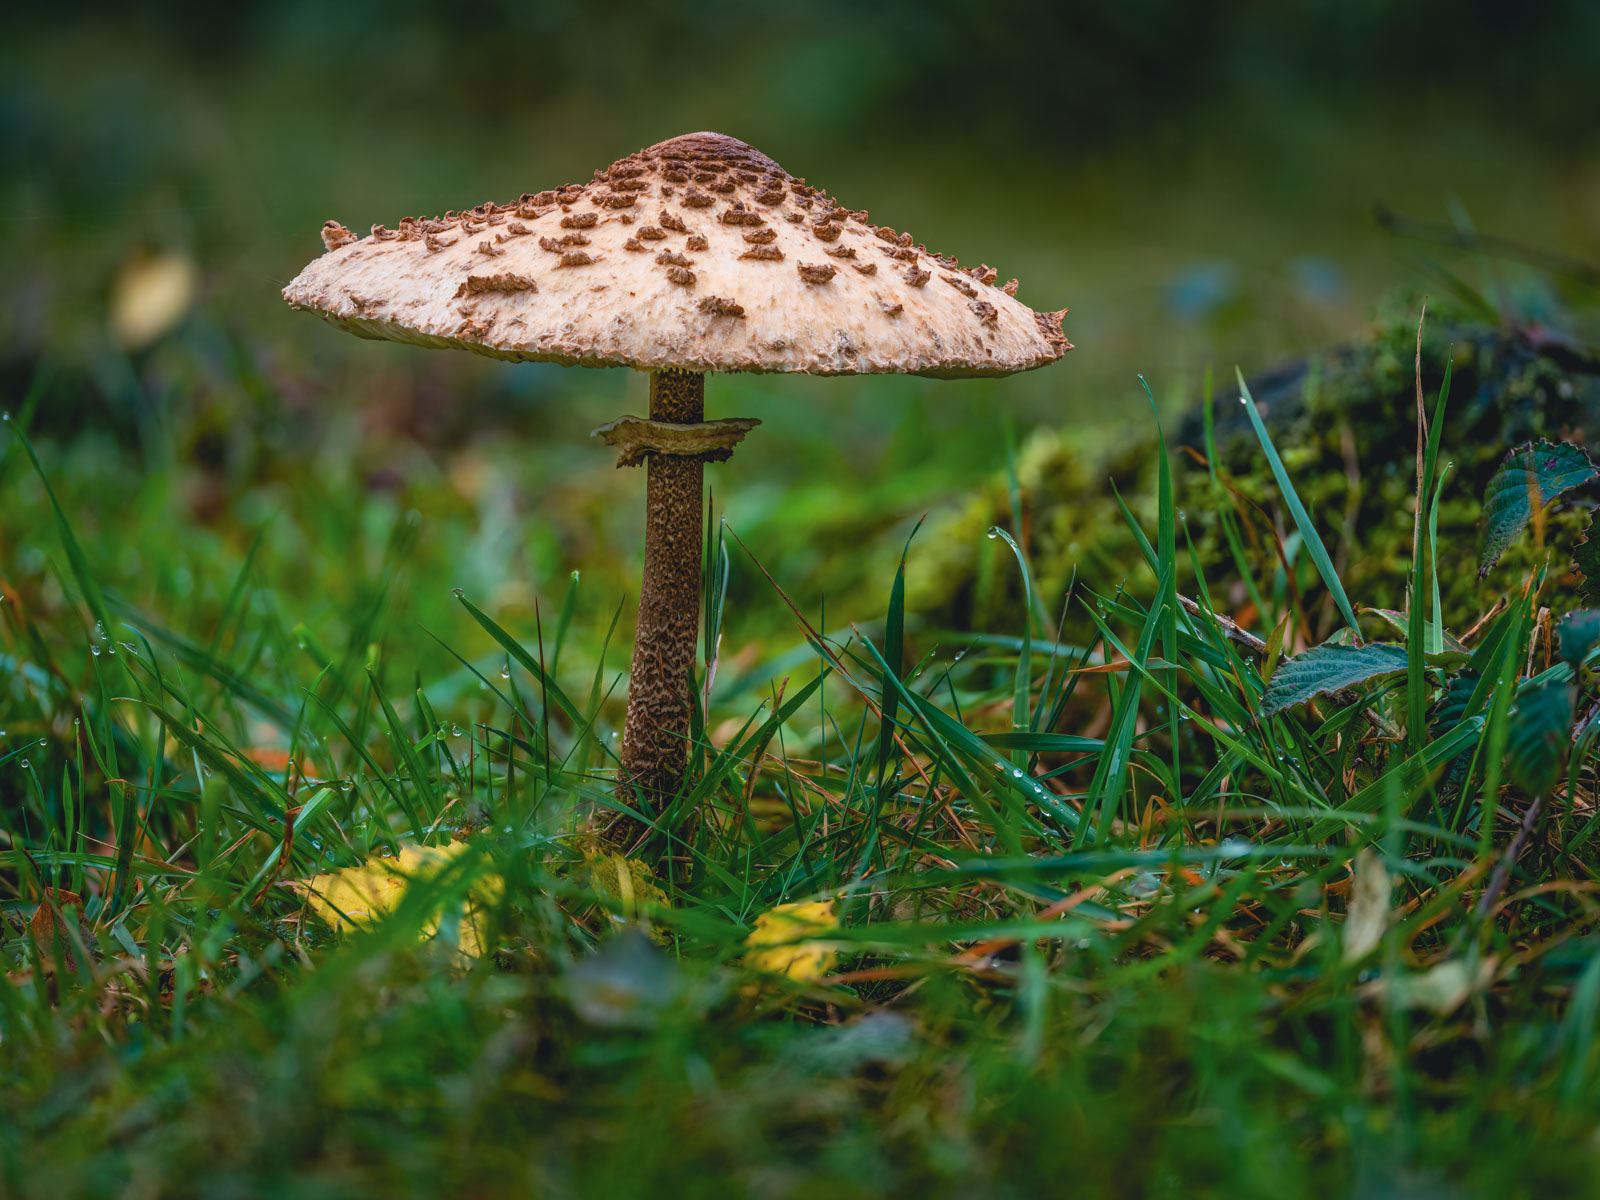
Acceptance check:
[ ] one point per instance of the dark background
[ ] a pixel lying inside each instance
(1196, 182)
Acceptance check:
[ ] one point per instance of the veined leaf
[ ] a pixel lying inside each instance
(1549, 467)
(1586, 557)
(1329, 668)
(1539, 737)
(1580, 632)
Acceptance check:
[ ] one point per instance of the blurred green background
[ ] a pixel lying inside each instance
(1196, 182)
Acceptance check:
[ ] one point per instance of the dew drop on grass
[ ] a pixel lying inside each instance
(95, 650)
(993, 533)
(24, 764)
(458, 592)
(455, 731)
(505, 672)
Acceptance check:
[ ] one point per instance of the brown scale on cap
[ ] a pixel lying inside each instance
(827, 233)
(891, 308)
(697, 243)
(616, 200)
(917, 277)
(1010, 289)
(903, 253)
(489, 249)
(586, 220)
(772, 195)
(672, 221)
(840, 251)
(763, 254)
(817, 272)
(718, 306)
(635, 245)
(761, 237)
(435, 243)
(696, 199)
(794, 218)
(575, 258)
(866, 268)
(475, 285)
(987, 313)
(335, 235)
(738, 214)
(649, 233)
(563, 243)
(985, 274)
(960, 285)
(668, 259)
(380, 234)
(681, 275)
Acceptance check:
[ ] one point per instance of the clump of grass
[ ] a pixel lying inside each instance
(1162, 910)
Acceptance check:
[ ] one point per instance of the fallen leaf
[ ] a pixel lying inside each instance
(149, 296)
(784, 941)
(1368, 914)
(357, 897)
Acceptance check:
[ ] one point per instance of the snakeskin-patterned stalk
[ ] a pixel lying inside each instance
(655, 741)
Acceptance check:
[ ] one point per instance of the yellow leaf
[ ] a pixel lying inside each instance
(784, 941)
(629, 881)
(358, 896)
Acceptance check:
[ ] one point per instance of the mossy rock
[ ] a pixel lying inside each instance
(1345, 423)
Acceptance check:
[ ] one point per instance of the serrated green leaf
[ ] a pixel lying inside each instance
(1586, 557)
(1551, 467)
(1580, 632)
(1539, 737)
(1327, 668)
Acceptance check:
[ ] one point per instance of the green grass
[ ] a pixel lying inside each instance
(1116, 916)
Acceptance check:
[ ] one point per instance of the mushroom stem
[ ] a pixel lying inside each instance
(655, 742)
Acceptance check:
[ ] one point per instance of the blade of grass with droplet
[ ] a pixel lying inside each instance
(531, 665)
(1022, 687)
(1302, 519)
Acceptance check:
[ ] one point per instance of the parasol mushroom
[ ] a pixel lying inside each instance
(698, 254)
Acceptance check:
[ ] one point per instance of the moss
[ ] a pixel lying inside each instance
(1344, 422)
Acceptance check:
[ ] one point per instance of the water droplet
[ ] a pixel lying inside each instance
(42, 742)
(111, 650)
(505, 672)
(455, 731)
(95, 650)
(1182, 516)
(505, 829)
(458, 592)
(76, 721)
(5, 416)
(1016, 772)
(1242, 400)
(993, 533)
(300, 644)
(25, 764)
(130, 647)
(613, 735)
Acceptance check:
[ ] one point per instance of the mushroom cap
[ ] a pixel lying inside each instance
(699, 253)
